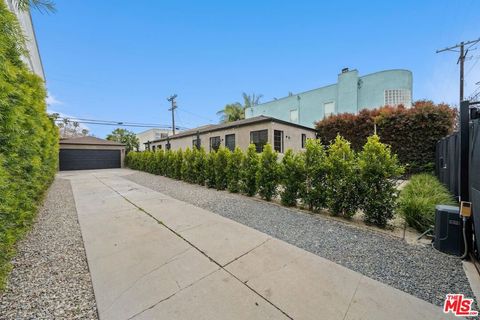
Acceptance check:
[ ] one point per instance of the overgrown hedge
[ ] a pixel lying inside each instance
(411, 132)
(334, 178)
(28, 140)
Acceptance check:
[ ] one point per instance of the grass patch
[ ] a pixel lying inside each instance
(418, 200)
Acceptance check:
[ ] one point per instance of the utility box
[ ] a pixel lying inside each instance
(448, 230)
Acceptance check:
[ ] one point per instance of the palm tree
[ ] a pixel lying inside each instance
(251, 100)
(40, 5)
(231, 112)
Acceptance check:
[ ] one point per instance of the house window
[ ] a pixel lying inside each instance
(168, 146)
(278, 140)
(214, 143)
(159, 146)
(304, 140)
(153, 148)
(230, 141)
(397, 97)
(329, 109)
(259, 139)
(197, 143)
(294, 116)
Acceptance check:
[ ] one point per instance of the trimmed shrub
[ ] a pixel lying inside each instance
(28, 141)
(249, 171)
(418, 199)
(221, 162)
(268, 173)
(200, 165)
(210, 169)
(177, 164)
(378, 171)
(188, 166)
(234, 168)
(412, 133)
(292, 177)
(160, 162)
(313, 193)
(342, 179)
(169, 163)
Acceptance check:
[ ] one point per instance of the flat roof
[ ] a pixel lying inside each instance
(90, 141)
(228, 125)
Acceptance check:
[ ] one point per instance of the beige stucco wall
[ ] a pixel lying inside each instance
(150, 135)
(292, 136)
(95, 147)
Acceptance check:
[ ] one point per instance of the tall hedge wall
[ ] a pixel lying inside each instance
(412, 133)
(28, 140)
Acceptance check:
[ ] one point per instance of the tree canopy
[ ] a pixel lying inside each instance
(126, 137)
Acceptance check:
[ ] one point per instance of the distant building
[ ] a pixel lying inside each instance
(351, 94)
(33, 61)
(282, 135)
(151, 135)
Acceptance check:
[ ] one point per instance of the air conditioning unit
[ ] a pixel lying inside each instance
(448, 230)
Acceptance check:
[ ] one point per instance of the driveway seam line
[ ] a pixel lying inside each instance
(198, 249)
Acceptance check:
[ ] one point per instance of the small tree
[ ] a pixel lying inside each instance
(378, 171)
(210, 169)
(126, 137)
(177, 164)
(234, 167)
(313, 191)
(188, 166)
(249, 171)
(200, 165)
(292, 177)
(342, 179)
(221, 161)
(268, 173)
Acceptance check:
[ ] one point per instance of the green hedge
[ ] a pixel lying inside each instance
(28, 141)
(334, 178)
(412, 132)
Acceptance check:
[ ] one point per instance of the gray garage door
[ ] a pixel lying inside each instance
(82, 159)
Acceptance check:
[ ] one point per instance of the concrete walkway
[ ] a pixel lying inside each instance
(155, 257)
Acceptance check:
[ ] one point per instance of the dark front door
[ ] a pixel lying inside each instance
(83, 159)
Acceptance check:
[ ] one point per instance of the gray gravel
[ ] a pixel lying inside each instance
(50, 277)
(416, 269)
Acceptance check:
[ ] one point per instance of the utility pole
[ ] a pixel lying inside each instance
(461, 59)
(174, 106)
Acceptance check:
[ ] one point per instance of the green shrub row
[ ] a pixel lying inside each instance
(334, 178)
(28, 141)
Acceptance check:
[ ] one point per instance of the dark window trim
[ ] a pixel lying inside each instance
(259, 145)
(217, 145)
(304, 140)
(282, 137)
(231, 147)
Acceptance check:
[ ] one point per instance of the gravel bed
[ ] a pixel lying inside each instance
(416, 269)
(50, 277)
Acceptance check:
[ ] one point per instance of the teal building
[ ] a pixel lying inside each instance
(351, 94)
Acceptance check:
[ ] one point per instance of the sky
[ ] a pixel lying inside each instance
(120, 60)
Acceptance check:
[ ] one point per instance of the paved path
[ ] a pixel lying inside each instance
(155, 257)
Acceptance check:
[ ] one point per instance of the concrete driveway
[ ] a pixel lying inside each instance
(155, 257)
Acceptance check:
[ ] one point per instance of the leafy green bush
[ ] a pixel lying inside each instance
(313, 193)
(268, 173)
(169, 163)
(188, 166)
(342, 179)
(210, 170)
(200, 164)
(378, 171)
(221, 161)
(28, 141)
(177, 164)
(234, 168)
(292, 177)
(249, 171)
(160, 162)
(418, 199)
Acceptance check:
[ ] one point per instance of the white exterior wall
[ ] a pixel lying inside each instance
(150, 135)
(33, 61)
(292, 136)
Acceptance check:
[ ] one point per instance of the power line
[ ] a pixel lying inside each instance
(461, 59)
(114, 123)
